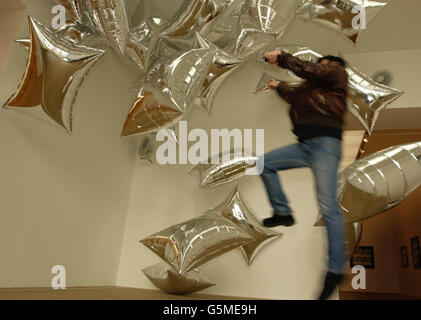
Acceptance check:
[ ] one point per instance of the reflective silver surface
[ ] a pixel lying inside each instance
(229, 167)
(55, 69)
(367, 98)
(189, 244)
(236, 210)
(168, 92)
(109, 18)
(380, 181)
(338, 14)
(168, 280)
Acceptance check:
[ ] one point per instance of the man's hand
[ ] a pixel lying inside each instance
(273, 84)
(272, 56)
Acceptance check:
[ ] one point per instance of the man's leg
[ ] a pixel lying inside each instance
(288, 157)
(324, 162)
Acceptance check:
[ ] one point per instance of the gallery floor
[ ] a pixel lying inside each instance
(101, 293)
(123, 293)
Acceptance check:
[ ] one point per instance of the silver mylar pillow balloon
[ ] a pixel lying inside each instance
(168, 280)
(193, 14)
(187, 245)
(268, 16)
(378, 182)
(55, 70)
(223, 64)
(236, 210)
(169, 91)
(75, 8)
(339, 14)
(224, 168)
(367, 98)
(109, 18)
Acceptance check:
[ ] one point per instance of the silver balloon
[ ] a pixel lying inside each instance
(187, 245)
(242, 43)
(168, 92)
(167, 49)
(55, 70)
(75, 32)
(224, 23)
(260, 22)
(193, 14)
(268, 16)
(110, 19)
(222, 66)
(71, 31)
(338, 14)
(75, 8)
(226, 167)
(139, 44)
(378, 182)
(168, 280)
(367, 98)
(236, 210)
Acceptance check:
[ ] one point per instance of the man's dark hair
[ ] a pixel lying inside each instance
(333, 58)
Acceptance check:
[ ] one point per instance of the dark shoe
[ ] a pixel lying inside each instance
(278, 220)
(332, 280)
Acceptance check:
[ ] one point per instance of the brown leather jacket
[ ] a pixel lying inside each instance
(321, 99)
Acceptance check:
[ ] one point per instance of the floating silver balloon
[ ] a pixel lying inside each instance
(346, 16)
(193, 14)
(74, 32)
(242, 43)
(267, 16)
(223, 64)
(56, 68)
(225, 23)
(187, 245)
(75, 8)
(168, 92)
(139, 44)
(367, 98)
(378, 182)
(236, 210)
(109, 18)
(168, 280)
(224, 168)
(260, 22)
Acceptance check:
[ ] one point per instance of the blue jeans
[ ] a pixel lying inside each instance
(322, 155)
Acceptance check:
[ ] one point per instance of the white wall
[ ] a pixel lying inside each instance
(63, 198)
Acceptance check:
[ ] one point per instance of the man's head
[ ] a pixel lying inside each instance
(332, 59)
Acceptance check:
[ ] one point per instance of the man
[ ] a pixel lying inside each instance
(317, 110)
